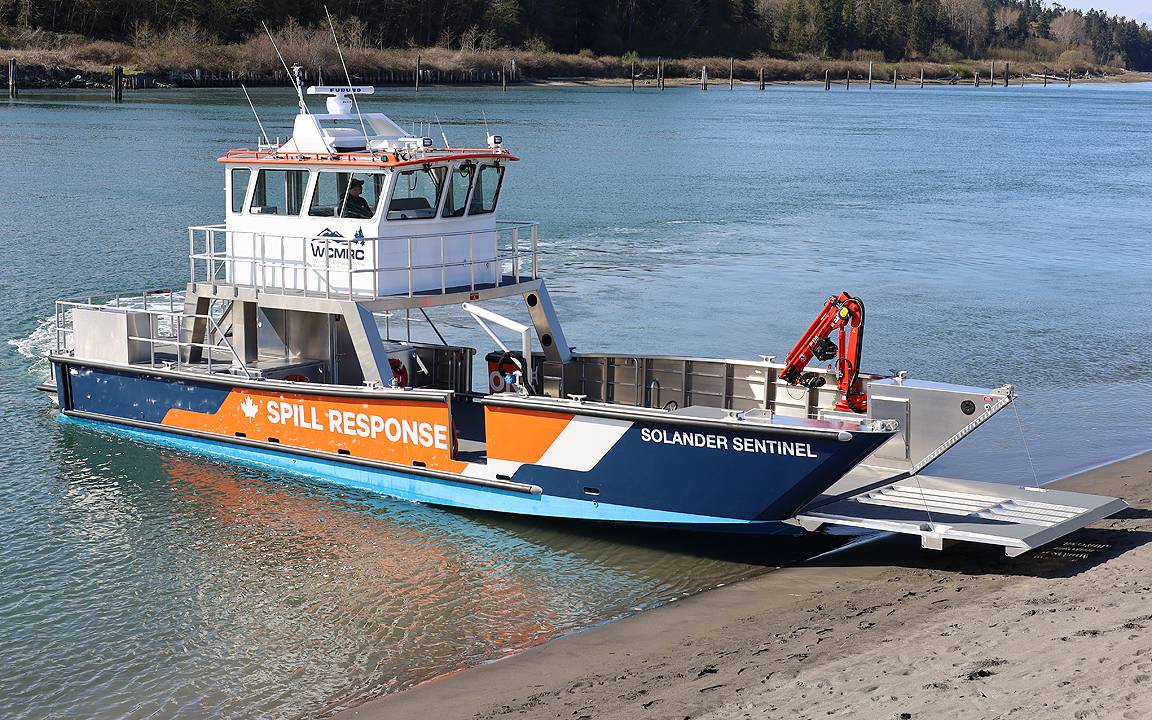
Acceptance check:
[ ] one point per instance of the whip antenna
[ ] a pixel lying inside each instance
(293, 76)
(347, 77)
(442, 135)
(262, 130)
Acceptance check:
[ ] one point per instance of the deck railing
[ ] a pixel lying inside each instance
(168, 328)
(359, 268)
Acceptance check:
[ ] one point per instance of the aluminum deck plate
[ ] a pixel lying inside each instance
(942, 509)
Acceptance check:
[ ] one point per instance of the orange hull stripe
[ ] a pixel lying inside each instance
(396, 431)
(522, 435)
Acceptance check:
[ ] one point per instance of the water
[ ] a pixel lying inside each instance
(997, 236)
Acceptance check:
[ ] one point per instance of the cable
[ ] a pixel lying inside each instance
(1024, 442)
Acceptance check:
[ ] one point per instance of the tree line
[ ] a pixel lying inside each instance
(891, 29)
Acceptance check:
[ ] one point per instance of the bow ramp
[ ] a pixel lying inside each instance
(942, 509)
(887, 491)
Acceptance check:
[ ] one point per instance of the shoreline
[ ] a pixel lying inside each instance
(398, 68)
(105, 84)
(879, 629)
(646, 84)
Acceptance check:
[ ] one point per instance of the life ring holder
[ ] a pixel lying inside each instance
(399, 371)
(496, 377)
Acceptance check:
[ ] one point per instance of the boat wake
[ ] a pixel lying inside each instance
(36, 346)
(41, 342)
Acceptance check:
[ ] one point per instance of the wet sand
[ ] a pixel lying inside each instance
(882, 630)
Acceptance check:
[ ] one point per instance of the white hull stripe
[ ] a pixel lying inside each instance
(583, 443)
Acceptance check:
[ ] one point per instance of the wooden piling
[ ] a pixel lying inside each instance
(895, 75)
(975, 79)
(660, 73)
(503, 79)
(417, 72)
(1006, 73)
(761, 77)
(633, 75)
(1069, 77)
(992, 73)
(869, 74)
(848, 80)
(921, 77)
(703, 77)
(731, 73)
(827, 80)
(1045, 77)
(13, 86)
(117, 83)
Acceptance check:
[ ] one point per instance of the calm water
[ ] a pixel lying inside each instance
(997, 236)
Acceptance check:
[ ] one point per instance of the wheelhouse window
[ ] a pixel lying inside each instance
(240, 177)
(417, 193)
(456, 196)
(279, 192)
(346, 195)
(487, 190)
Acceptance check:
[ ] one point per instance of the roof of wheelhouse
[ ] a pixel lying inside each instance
(345, 139)
(246, 156)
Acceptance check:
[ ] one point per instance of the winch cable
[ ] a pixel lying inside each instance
(924, 500)
(1024, 442)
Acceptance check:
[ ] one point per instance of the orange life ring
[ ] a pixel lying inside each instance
(399, 371)
(295, 377)
(496, 372)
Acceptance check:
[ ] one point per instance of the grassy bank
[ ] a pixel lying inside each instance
(189, 58)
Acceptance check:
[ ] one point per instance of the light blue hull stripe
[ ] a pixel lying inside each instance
(428, 490)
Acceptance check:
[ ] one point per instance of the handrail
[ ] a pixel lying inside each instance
(508, 224)
(328, 266)
(65, 327)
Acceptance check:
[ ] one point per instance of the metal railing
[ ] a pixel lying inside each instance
(673, 382)
(142, 300)
(166, 329)
(360, 268)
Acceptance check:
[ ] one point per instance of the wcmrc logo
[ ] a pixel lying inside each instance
(337, 247)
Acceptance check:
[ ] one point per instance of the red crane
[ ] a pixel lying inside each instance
(844, 314)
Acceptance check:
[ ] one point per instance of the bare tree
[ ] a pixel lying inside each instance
(1006, 17)
(1069, 29)
(970, 20)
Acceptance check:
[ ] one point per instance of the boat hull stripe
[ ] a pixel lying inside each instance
(408, 486)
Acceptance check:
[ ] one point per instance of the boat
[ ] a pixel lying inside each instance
(290, 347)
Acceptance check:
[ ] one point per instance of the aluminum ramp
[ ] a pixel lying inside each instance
(942, 509)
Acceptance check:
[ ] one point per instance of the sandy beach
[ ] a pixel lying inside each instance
(882, 630)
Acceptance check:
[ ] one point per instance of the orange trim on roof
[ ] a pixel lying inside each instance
(355, 159)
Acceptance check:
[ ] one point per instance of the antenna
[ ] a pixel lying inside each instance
(294, 76)
(442, 132)
(355, 102)
(262, 130)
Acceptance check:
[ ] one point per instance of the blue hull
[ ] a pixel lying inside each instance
(543, 463)
(433, 491)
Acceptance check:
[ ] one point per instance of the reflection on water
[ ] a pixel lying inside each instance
(191, 586)
(997, 237)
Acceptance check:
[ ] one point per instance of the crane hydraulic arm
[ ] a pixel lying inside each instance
(844, 314)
